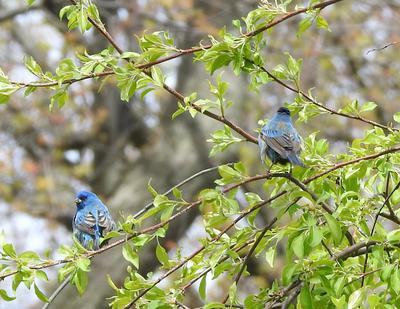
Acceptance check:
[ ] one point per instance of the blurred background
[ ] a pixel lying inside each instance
(114, 148)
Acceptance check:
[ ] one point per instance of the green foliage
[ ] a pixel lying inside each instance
(222, 139)
(334, 197)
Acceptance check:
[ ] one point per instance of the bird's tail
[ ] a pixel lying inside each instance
(295, 160)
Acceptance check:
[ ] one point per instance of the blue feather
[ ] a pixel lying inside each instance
(92, 220)
(279, 140)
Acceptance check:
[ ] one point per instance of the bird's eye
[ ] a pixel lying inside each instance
(78, 201)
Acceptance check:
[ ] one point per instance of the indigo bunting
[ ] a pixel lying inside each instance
(92, 220)
(279, 140)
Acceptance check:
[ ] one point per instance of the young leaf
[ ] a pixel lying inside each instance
(40, 294)
(5, 296)
(202, 287)
(334, 228)
(130, 255)
(162, 255)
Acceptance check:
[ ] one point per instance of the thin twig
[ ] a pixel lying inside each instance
(90, 254)
(180, 305)
(57, 291)
(249, 254)
(9, 15)
(207, 270)
(382, 48)
(315, 198)
(183, 182)
(322, 106)
(374, 225)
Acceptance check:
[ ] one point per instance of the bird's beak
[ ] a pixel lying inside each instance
(78, 201)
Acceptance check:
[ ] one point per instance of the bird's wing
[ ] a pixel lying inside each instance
(105, 221)
(85, 221)
(280, 139)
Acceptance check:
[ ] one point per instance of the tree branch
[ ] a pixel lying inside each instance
(248, 255)
(90, 254)
(374, 225)
(322, 106)
(9, 15)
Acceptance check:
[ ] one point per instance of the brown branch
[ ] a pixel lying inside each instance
(390, 217)
(172, 91)
(90, 254)
(348, 252)
(9, 15)
(248, 255)
(65, 82)
(250, 34)
(374, 225)
(192, 50)
(180, 184)
(150, 229)
(180, 97)
(322, 106)
(199, 250)
(357, 160)
(207, 270)
(382, 48)
(352, 250)
(303, 187)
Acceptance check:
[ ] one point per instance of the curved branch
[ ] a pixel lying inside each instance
(90, 254)
(9, 15)
(374, 225)
(248, 255)
(322, 106)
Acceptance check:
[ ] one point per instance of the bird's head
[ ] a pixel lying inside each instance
(83, 197)
(283, 111)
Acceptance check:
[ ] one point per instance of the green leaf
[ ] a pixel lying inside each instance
(40, 294)
(386, 272)
(9, 250)
(111, 283)
(81, 280)
(177, 193)
(334, 227)
(29, 256)
(150, 188)
(157, 76)
(270, 256)
(287, 273)
(304, 25)
(162, 255)
(315, 236)
(233, 293)
(367, 107)
(393, 236)
(395, 280)
(297, 246)
(322, 23)
(202, 287)
(356, 298)
(59, 98)
(305, 297)
(5, 296)
(40, 274)
(396, 117)
(83, 263)
(130, 255)
(33, 66)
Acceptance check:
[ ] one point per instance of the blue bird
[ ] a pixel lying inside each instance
(279, 140)
(92, 220)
